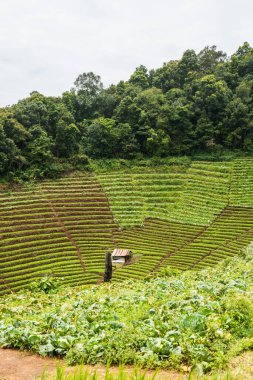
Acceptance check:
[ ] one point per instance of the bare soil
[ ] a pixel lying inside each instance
(17, 365)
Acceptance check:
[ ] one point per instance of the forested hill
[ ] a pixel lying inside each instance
(202, 102)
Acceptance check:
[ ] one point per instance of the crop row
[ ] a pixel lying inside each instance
(183, 246)
(229, 234)
(242, 183)
(70, 221)
(137, 195)
(195, 196)
(152, 243)
(47, 230)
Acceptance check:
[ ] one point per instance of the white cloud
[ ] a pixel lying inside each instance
(44, 45)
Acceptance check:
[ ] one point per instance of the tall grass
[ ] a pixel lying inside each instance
(82, 373)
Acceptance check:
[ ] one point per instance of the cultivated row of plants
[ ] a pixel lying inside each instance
(229, 234)
(65, 226)
(193, 194)
(169, 194)
(140, 193)
(82, 373)
(242, 183)
(50, 228)
(183, 246)
(205, 193)
(153, 242)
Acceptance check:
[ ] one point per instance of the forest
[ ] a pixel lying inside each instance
(200, 103)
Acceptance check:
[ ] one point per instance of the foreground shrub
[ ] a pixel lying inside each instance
(47, 284)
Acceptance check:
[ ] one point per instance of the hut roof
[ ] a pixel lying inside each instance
(121, 252)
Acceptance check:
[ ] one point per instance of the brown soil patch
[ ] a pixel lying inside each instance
(16, 365)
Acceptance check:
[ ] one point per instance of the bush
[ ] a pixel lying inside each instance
(47, 284)
(239, 315)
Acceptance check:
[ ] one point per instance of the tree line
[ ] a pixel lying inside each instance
(202, 102)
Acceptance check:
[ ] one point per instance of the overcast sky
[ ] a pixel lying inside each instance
(45, 44)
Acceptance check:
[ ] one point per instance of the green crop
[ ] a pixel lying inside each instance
(194, 319)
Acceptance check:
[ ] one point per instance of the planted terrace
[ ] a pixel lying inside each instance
(143, 192)
(188, 219)
(60, 227)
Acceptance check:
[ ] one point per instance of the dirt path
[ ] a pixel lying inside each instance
(16, 365)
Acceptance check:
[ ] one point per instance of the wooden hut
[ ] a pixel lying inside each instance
(121, 256)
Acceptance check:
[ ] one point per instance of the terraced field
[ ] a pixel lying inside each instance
(143, 193)
(185, 246)
(225, 237)
(205, 193)
(153, 243)
(194, 196)
(186, 218)
(62, 227)
(242, 183)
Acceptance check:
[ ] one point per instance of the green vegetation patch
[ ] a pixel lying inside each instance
(193, 318)
(167, 211)
(51, 228)
(242, 183)
(143, 192)
(227, 236)
(205, 193)
(193, 194)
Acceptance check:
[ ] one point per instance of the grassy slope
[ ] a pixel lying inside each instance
(61, 227)
(174, 214)
(192, 195)
(143, 192)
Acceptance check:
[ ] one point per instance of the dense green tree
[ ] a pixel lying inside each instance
(166, 77)
(13, 129)
(66, 139)
(151, 101)
(140, 77)
(87, 89)
(210, 101)
(238, 125)
(179, 112)
(209, 58)
(40, 147)
(88, 84)
(10, 156)
(187, 65)
(32, 111)
(127, 145)
(101, 138)
(158, 143)
(107, 102)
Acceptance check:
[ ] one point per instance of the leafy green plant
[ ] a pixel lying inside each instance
(47, 284)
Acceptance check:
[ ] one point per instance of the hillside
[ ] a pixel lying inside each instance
(178, 215)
